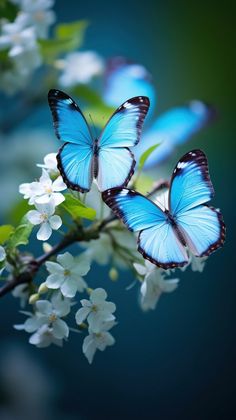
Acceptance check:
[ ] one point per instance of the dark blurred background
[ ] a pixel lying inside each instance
(177, 362)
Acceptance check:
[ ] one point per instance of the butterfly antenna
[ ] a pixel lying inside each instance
(94, 127)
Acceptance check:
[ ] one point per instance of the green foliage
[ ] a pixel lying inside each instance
(77, 209)
(8, 10)
(146, 155)
(18, 211)
(5, 232)
(68, 37)
(96, 108)
(144, 184)
(21, 235)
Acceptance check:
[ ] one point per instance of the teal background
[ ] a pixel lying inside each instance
(177, 362)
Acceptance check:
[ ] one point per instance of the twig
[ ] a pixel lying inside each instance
(76, 235)
(32, 267)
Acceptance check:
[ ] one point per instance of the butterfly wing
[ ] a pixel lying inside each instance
(115, 160)
(75, 158)
(202, 227)
(125, 80)
(172, 129)
(157, 241)
(190, 184)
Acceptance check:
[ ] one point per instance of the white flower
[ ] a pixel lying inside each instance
(21, 292)
(99, 250)
(98, 341)
(50, 164)
(36, 13)
(2, 259)
(97, 310)
(154, 284)
(197, 263)
(44, 337)
(46, 322)
(45, 189)
(67, 273)
(120, 245)
(2, 253)
(44, 216)
(17, 38)
(80, 67)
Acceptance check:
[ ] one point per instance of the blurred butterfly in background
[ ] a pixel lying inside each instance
(108, 159)
(186, 223)
(172, 128)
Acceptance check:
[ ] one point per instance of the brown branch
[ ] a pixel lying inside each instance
(31, 268)
(77, 235)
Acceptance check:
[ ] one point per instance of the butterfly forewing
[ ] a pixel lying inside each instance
(75, 158)
(190, 183)
(115, 161)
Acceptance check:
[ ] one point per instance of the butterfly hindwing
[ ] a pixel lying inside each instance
(115, 160)
(161, 245)
(75, 158)
(173, 128)
(76, 166)
(157, 239)
(203, 229)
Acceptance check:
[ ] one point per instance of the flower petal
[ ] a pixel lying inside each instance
(98, 295)
(60, 329)
(44, 232)
(66, 260)
(54, 281)
(81, 315)
(69, 287)
(44, 307)
(58, 198)
(58, 184)
(54, 268)
(34, 217)
(55, 222)
(89, 348)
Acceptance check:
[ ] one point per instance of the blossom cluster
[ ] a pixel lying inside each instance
(45, 195)
(19, 38)
(65, 283)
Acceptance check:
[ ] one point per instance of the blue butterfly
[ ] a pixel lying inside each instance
(187, 223)
(108, 159)
(172, 128)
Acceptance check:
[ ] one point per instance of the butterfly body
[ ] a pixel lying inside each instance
(167, 233)
(108, 158)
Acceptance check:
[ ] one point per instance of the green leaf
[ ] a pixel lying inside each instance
(74, 30)
(8, 10)
(99, 114)
(5, 232)
(18, 211)
(144, 184)
(68, 37)
(146, 155)
(21, 235)
(77, 209)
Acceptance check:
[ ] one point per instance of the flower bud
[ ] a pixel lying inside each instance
(33, 298)
(42, 288)
(46, 247)
(89, 290)
(113, 274)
